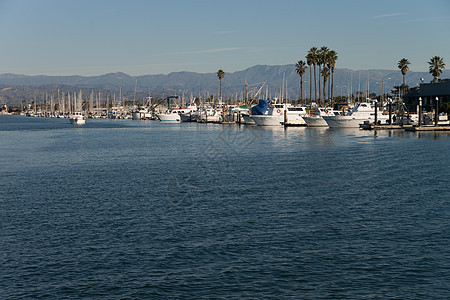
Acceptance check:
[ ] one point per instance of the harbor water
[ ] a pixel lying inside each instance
(139, 209)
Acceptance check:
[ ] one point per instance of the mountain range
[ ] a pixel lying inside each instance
(346, 81)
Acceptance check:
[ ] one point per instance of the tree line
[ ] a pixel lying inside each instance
(325, 60)
(436, 66)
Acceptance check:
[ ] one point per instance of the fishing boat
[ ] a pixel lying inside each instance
(77, 118)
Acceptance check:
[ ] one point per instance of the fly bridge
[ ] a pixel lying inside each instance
(168, 100)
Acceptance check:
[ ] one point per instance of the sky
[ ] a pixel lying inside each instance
(95, 37)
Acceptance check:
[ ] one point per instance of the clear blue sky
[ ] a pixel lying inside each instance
(94, 37)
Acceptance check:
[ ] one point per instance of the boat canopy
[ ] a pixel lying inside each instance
(261, 108)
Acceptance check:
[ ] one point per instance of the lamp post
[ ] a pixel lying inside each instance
(436, 112)
(382, 89)
(376, 113)
(390, 111)
(420, 111)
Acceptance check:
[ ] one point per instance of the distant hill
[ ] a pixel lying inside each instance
(187, 83)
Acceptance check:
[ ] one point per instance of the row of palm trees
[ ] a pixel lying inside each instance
(325, 59)
(436, 66)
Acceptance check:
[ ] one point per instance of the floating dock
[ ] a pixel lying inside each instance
(370, 126)
(429, 128)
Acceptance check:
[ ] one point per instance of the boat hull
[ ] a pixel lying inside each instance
(315, 122)
(277, 120)
(247, 120)
(77, 121)
(169, 117)
(188, 117)
(265, 120)
(351, 121)
(295, 120)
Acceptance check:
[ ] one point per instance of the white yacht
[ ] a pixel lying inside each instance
(210, 115)
(360, 113)
(192, 115)
(273, 115)
(247, 119)
(77, 118)
(244, 116)
(173, 115)
(315, 119)
(141, 113)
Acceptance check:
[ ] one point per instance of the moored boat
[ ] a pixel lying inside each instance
(77, 118)
(266, 114)
(315, 119)
(174, 115)
(360, 113)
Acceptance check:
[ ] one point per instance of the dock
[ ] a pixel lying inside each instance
(429, 128)
(370, 126)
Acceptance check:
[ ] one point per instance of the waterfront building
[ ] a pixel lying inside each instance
(428, 92)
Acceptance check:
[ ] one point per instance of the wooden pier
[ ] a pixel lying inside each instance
(370, 126)
(429, 128)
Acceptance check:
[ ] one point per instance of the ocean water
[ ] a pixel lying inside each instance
(139, 209)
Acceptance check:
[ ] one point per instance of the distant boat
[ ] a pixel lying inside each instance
(30, 113)
(210, 115)
(77, 118)
(191, 115)
(141, 113)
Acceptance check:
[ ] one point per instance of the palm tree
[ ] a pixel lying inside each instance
(314, 55)
(326, 75)
(300, 68)
(309, 61)
(436, 66)
(220, 75)
(332, 58)
(322, 62)
(403, 66)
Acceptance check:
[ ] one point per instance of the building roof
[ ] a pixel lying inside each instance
(441, 88)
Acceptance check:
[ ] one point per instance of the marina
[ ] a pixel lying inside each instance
(209, 150)
(364, 115)
(227, 208)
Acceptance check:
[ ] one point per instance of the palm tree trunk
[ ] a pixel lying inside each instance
(332, 84)
(315, 84)
(310, 85)
(301, 88)
(320, 90)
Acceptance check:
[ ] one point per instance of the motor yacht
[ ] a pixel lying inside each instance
(210, 115)
(315, 119)
(360, 113)
(173, 115)
(141, 113)
(266, 114)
